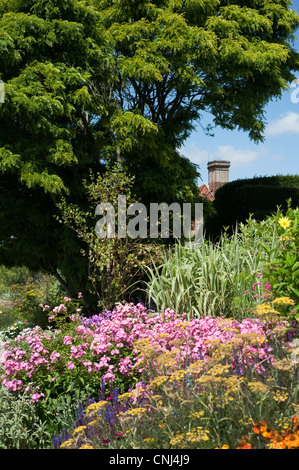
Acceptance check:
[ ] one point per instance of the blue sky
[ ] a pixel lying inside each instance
(278, 154)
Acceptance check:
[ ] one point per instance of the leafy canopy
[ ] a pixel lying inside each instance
(91, 82)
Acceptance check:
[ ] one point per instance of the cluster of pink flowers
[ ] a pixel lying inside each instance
(266, 287)
(108, 348)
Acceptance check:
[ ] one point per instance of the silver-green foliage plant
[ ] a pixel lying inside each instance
(20, 425)
(211, 279)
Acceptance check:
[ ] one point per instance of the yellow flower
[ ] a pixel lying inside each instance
(78, 430)
(67, 443)
(283, 301)
(197, 435)
(280, 396)
(132, 412)
(284, 364)
(178, 375)
(159, 381)
(178, 440)
(196, 414)
(149, 440)
(284, 222)
(266, 309)
(95, 422)
(93, 408)
(257, 387)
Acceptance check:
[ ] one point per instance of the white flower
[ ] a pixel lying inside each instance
(295, 356)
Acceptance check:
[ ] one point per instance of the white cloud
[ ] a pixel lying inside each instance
(237, 156)
(287, 124)
(194, 153)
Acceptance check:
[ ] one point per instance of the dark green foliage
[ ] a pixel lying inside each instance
(20, 425)
(51, 54)
(91, 83)
(235, 201)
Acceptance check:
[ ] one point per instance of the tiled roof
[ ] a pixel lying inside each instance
(205, 192)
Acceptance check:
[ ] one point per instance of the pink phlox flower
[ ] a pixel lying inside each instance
(108, 377)
(36, 396)
(59, 309)
(54, 356)
(67, 340)
(88, 365)
(13, 384)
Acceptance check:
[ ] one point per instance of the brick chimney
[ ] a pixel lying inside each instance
(218, 174)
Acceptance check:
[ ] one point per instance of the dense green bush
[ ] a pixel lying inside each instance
(235, 201)
(20, 425)
(10, 276)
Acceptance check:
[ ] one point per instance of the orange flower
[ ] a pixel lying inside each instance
(261, 428)
(247, 445)
(291, 441)
(243, 444)
(276, 445)
(288, 439)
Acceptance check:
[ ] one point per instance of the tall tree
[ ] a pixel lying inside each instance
(175, 59)
(55, 66)
(90, 82)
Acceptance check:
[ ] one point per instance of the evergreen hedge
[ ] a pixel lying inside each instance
(260, 196)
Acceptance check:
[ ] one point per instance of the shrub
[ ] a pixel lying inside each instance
(81, 359)
(260, 196)
(282, 264)
(15, 329)
(20, 425)
(205, 405)
(116, 264)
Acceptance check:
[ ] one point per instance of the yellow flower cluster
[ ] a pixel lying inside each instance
(197, 434)
(181, 440)
(197, 415)
(283, 301)
(233, 383)
(79, 430)
(286, 238)
(149, 440)
(158, 381)
(258, 387)
(67, 444)
(178, 375)
(266, 311)
(196, 367)
(94, 408)
(133, 412)
(285, 364)
(280, 396)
